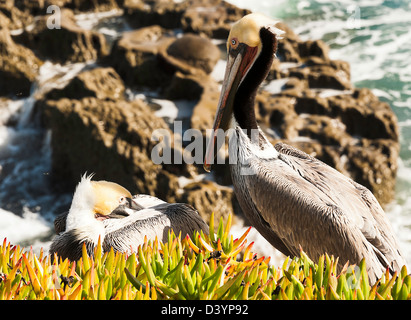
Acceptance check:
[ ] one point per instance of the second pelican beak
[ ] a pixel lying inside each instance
(239, 62)
(123, 210)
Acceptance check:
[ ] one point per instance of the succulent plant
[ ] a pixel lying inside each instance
(213, 266)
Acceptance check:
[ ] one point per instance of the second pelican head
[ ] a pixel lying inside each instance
(94, 201)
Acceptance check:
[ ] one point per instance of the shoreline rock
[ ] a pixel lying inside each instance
(19, 67)
(69, 43)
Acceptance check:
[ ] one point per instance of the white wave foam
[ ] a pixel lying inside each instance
(89, 20)
(20, 230)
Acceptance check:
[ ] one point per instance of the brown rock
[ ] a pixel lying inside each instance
(135, 56)
(110, 138)
(69, 43)
(151, 56)
(182, 86)
(212, 18)
(208, 197)
(101, 83)
(165, 13)
(19, 67)
(196, 51)
(39, 7)
(95, 5)
(12, 17)
(316, 48)
(287, 52)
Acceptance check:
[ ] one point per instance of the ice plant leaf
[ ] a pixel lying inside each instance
(33, 278)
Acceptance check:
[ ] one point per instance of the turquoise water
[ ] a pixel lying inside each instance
(375, 38)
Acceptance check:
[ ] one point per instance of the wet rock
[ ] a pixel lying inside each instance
(195, 51)
(316, 48)
(96, 5)
(211, 18)
(12, 17)
(101, 83)
(111, 138)
(165, 13)
(182, 86)
(203, 114)
(39, 7)
(135, 56)
(208, 197)
(19, 67)
(151, 56)
(67, 43)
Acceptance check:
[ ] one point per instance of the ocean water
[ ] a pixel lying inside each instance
(373, 36)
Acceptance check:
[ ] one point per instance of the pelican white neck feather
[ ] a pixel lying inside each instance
(81, 214)
(243, 149)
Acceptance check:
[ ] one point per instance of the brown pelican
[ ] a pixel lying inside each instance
(105, 210)
(291, 198)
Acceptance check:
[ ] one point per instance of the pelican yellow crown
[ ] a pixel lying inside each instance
(247, 30)
(107, 196)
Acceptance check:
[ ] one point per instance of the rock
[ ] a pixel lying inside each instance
(165, 13)
(195, 51)
(95, 5)
(19, 67)
(187, 87)
(286, 52)
(39, 7)
(203, 114)
(208, 197)
(112, 139)
(365, 115)
(333, 74)
(316, 48)
(151, 56)
(135, 56)
(69, 43)
(100, 83)
(211, 18)
(12, 17)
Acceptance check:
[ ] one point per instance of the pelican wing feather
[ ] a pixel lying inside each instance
(128, 233)
(356, 202)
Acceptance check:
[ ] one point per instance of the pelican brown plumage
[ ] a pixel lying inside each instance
(294, 200)
(106, 210)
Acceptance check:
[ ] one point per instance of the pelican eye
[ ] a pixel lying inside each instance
(234, 43)
(122, 200)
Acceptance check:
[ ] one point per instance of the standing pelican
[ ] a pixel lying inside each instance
(105, 210)
(291, 198)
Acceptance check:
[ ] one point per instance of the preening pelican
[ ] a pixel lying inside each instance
(107, 210)
(291, 198)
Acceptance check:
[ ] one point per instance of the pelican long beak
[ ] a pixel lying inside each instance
(238, 65)
(123, 210)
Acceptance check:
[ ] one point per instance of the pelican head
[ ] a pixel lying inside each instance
(94, 201)
(251, 46)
